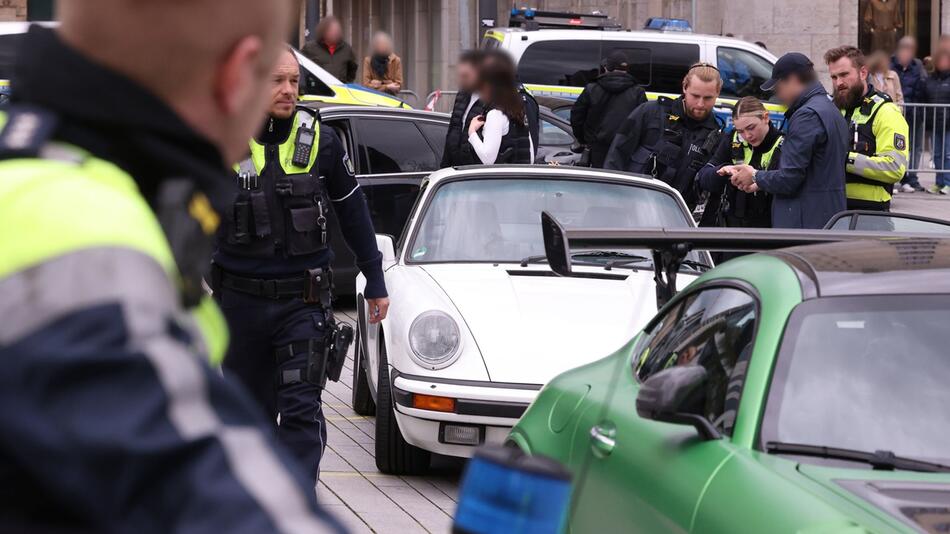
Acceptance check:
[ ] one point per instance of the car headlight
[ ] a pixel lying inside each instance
(434, 339)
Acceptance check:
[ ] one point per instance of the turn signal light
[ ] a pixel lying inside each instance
(431, 402)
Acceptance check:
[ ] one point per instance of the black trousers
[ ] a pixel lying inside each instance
(259, 326)
(855, 204)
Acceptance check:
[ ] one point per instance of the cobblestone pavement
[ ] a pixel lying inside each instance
(359, 495)
(921, 203)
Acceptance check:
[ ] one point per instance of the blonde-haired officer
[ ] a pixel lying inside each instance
(671, 139)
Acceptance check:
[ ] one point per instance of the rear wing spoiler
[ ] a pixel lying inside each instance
(670, 246)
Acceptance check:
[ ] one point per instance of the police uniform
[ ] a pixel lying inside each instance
(878, 156)
(272, 273)
(659, 139)
(111, 418)
(737, 208)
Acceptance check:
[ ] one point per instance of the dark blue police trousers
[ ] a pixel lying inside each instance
(258, 327)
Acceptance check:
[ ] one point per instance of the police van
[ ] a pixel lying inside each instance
(559, 53)
(316, 84)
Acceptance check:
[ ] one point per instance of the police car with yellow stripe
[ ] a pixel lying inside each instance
(316, 84)
(559, 53)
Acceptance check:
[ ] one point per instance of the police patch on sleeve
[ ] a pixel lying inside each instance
(348, 164)
(900, 143)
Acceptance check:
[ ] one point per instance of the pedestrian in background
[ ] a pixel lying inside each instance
(501, 134)
(458, 151)
(671, 139)
(113, 420)
(330, 51)
(756, 142)
(884, 79)
(808, 186)
(877, 156)
(911, 73)
(382, 70)
(936, 90)
(603, 106)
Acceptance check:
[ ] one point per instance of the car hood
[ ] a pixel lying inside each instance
(531, 325)
(918, 500)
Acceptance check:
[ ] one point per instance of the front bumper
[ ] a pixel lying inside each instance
(492, 407)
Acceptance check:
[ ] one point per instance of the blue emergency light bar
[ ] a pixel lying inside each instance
(667, 24)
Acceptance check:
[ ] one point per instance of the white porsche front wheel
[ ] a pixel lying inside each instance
(393, 455)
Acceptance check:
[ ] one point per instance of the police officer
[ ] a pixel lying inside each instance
(671, 139)
(878, 154)
(111, 419)
(271, 270)
(756, 142)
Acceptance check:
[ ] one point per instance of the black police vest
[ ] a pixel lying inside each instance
(516, 144)
(861, 122)
(668, 162)
(282, 204)
(743, 205)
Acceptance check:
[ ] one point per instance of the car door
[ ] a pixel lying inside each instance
(648, 475)
(555, 142)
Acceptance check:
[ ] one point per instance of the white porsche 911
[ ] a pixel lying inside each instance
(479, 322)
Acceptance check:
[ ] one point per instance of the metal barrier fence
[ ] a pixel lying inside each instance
(437, 101)
(410, 97)
(929, 142)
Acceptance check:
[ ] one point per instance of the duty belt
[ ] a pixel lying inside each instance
(313, 287)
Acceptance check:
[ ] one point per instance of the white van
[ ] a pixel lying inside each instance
(560, 62)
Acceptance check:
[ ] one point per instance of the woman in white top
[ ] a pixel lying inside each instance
(501, 135)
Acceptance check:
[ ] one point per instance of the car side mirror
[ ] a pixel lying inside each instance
(676, 395)
(577, 148)
(384, 243)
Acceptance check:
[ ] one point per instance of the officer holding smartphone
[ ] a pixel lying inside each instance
(271, 271)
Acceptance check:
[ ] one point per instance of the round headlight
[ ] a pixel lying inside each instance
(434, 339)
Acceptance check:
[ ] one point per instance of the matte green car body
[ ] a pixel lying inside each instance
(663, 477)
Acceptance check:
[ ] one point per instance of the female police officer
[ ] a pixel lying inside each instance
(271, 272)
(756, 142)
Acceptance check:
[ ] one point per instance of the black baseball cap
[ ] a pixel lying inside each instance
(790, 63)
(616, 60)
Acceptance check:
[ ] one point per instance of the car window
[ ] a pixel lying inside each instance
(311, 85)
(866, 373)
(8, 48)
(554, 135)
(489, 43)
(390, 205)
(743, 73)
(887, 223)
(568, 62)
(657, 66)
(435, 133)
(498, 220)
(393, 146)
(714, 328)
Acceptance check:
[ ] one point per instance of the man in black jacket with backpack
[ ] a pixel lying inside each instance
(603, 106)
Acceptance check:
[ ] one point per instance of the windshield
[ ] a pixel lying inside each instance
(865, 373)
(499, 220)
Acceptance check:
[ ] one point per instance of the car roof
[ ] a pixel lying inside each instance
(539, 171)
(872, 267)
(337, 110)
(633, 35)
(13, 28)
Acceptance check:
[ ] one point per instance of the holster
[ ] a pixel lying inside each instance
(318, 288)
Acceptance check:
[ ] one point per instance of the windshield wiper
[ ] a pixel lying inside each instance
(879, 460)
(534, 259)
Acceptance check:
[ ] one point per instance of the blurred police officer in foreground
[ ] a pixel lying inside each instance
(808, 187)
(671, 139)
(878, 153)
(272, 267)
(603, 105)
(111, 158)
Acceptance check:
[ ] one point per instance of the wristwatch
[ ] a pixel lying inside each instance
(754, 172)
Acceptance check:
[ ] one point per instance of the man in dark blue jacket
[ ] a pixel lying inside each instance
(808, 186)
(912, 75)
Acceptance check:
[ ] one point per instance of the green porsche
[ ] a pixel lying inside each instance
(805, 389)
